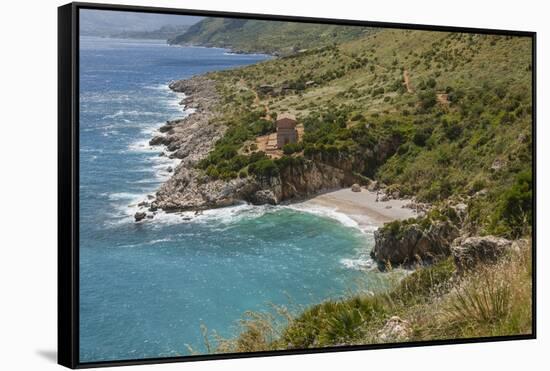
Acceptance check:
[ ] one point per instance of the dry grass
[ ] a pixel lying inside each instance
(493, 300)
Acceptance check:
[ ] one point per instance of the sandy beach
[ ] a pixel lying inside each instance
(362, 207)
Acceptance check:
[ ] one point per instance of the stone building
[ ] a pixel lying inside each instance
(286, 129)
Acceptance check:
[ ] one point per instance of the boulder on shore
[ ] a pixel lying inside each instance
(470, 251)
(140, 215)
(395, 330)
(167, 127)
(356, 188)
(407, 244)
(158, 140)
(373, 186)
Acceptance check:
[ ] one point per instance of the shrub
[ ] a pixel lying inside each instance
(514, 211)
(404, 148)
(378, 91)
(262, 127)
(227, 174)
(452, 130)
(286, 161)
(333, 322)
(357, 117)
(212, 171)
(291, 148)
(478, 185)
(423, 283)
(427, 99)
(264, 168)
(421, 136)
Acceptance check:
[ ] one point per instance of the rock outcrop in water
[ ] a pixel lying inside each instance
(410, 243)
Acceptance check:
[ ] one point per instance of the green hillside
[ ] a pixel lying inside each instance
(460, 126)
(272, 37)
(435, 115)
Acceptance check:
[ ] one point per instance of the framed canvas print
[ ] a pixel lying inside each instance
(237, 185)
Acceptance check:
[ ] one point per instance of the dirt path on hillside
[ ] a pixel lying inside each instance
(407, 80)
(258, 103)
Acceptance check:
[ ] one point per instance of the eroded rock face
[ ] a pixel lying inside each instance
(470, 251)
(412, 243)
(188, 189)
(310, 178)
(264, 196)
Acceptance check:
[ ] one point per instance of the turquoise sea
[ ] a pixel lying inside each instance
(146, 288)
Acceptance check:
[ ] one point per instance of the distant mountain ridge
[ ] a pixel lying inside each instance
(107, 22)
(272, 37)
(164, 33)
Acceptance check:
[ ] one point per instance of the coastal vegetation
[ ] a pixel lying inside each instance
(459, 125)
(443, 118)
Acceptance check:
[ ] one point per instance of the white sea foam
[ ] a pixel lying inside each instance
(222, 217)
(177, 97)
(151, 129)
(233, 214)
(142, 146)
(361, 263)
(161, 164)
(162, 87)
(146, 243)
(132, 113)
(146, 181)
(326, 212)
(89, 97)
(121, 196)
(125, 206)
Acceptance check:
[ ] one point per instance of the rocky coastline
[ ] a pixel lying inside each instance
(441, 233)
(190, 139)
(405, 243)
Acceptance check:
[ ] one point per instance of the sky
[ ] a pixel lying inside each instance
(105, 22)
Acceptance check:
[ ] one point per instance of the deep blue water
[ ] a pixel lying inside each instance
(146, 288)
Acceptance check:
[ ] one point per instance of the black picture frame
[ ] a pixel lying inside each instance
(68, 181)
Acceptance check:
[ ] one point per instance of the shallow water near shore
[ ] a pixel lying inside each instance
(145, 288)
